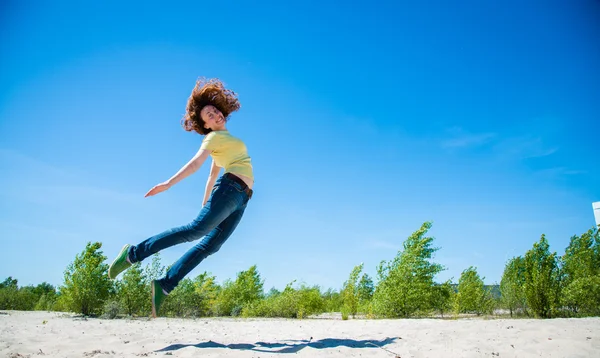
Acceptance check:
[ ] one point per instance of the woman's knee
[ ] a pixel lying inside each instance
(197, 229)
(208, 248)
(213, 249)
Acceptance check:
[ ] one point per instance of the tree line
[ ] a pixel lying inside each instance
(537, 284)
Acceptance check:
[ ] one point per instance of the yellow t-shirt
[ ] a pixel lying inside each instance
(228, 152)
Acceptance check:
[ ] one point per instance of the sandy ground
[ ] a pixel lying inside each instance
(50, 334)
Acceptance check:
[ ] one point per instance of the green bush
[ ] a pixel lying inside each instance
(354, 291)
(111, 309)
(580, 277)
(442, 298)
(14, 298)
(207, 291)
(46, 303)
(246, 290)
(406, 283)
(133, 291)
(7, 298)
(345, 313)
(541, 279)
(86, 284)
(512, 286)
(183, 301)
(332, 301)
(583, 295)
(472, 297)
(291, 303)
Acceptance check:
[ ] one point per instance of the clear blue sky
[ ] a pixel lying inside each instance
(363, 121)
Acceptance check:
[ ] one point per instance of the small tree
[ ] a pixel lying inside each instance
(46, 302)
(134, 291)
(472, 297)
(207, 291)
(406, 282)
(8, 293)
(350, 292)
(309, 301)
(154, 270)
(246, 289)
(249, 285)
(365, 289)
(332, 300)
(581, 274)
(541, 279)
(44, 288)
(183, 301)
(291, 303)
(27, 298)
(441, 299)
(512, 285)
(273, 292)
(86, 283)
(10, 282)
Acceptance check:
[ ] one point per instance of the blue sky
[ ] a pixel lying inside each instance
(363, 121)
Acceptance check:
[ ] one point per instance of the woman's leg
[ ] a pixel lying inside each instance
(222, 203)
(208, 246)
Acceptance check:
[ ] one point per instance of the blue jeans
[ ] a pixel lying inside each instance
(216, 222)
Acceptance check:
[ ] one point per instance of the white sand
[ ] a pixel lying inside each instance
(37, 334)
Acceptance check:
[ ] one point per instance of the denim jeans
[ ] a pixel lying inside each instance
(215, 223)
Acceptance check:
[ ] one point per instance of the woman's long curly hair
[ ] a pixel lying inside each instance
(208, 92)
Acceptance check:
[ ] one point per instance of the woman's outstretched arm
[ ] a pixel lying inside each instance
(194, 164)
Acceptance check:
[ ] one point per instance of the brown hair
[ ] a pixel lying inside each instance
(208, 92)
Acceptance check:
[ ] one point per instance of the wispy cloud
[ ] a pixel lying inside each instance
(524, 147)
(459, 138)
(539, 152)
(561, 171)
(517, 146)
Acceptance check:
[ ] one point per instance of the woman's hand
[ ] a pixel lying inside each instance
(157, 189)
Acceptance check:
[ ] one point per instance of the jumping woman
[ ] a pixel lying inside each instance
(225, 198)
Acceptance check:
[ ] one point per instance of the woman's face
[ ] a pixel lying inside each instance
(213, 118)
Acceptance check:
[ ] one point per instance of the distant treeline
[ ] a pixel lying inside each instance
(537, 284)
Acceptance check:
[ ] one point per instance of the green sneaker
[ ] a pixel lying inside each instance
(120, 264)
(158, 297)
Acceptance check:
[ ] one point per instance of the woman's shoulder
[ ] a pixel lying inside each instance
(219, 134)
(210, 136)
(216, 136)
